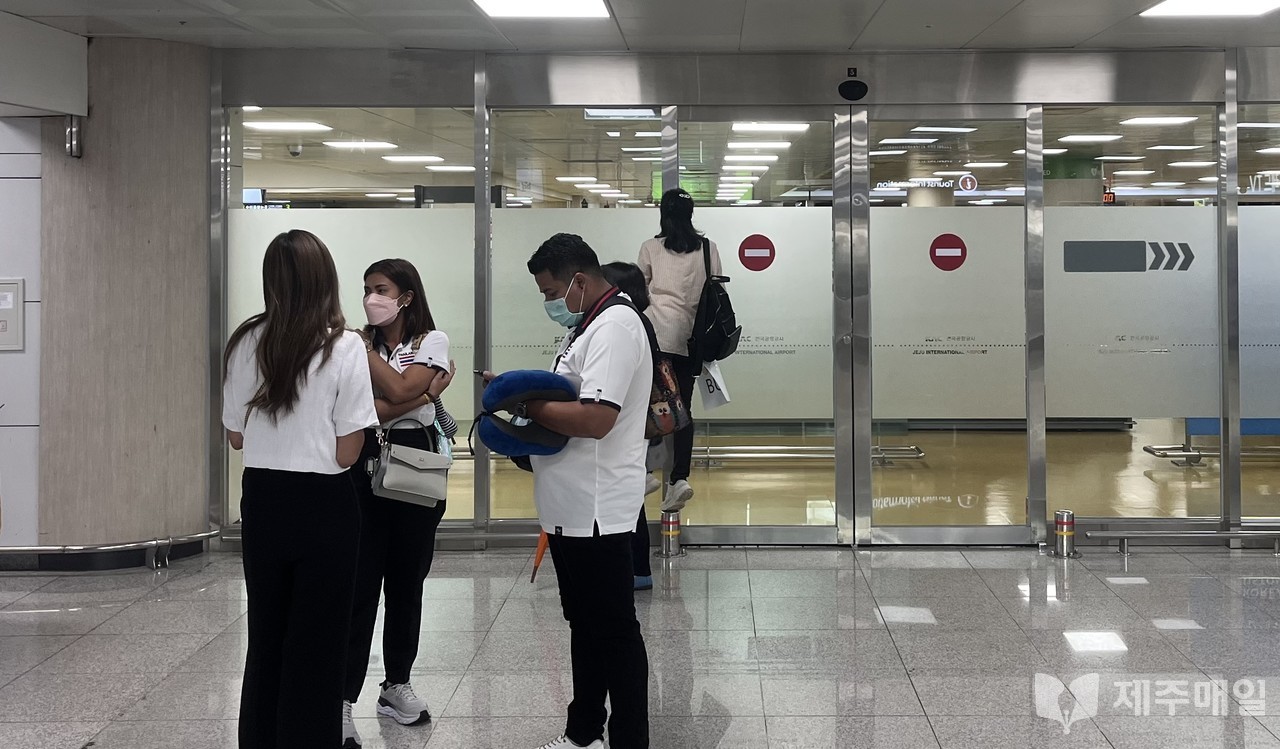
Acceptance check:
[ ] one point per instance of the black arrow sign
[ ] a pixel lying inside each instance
(1125, 256)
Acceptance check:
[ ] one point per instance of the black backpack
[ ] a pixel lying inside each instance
(715, 328)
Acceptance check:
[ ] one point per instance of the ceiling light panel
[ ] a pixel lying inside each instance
(1175, 148)
(1160, 120)
(1133, 172)
(448, 168)
(936, 129)
(770, 127)
(413, 159)
(763, 145)
(614, 114)
(288, 127)
(907, 141)
(1194, 163)
(1214, 8)
(749, 157)
(1119, 158)
(1087, 138)
(544, 8)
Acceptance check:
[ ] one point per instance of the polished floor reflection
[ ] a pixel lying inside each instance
(965, 478)
(756, 648)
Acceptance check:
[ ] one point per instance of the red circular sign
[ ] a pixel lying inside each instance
(968, 183)
(756, 252)
(948, 252)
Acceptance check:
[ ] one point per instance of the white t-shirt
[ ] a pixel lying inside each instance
(600, 482)
(675, 281)
(434, 353)
(335, 400)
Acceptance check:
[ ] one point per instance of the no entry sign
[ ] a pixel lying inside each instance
(948, 252)
(756, 252)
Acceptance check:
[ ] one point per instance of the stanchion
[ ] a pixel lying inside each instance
(1064, 530)
(670, 547)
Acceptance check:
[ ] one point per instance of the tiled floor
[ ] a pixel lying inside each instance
(760, 648)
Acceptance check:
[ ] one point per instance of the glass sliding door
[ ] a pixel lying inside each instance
(949, 457)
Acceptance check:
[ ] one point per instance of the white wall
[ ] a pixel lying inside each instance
(20, 370)
(42, 69)
(1260, 312)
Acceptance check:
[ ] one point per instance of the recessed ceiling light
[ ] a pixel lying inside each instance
(1159, 120)
(1133, 172)
(379, 195)
(613, 114)
(1089, 138)
(443, 168)
(749, 202)
(615, 194)
(1208, 179)
(932, 129)
(1175, 148)
(1126, 188)
(1119, 158)
(646, 158)
(950, 174)
(1194, 163)
(751, 157)
(288, 127)
(649, 134)
(1201, 8)
(907, 141)
(1045, 151)
(251, 108)
(767, 145)
(544, 8)
(613, 133)
(601, 187)
(770, 127)
(353, 145)
(986, 164)
(643, 149)
(1194, 200)
(632, 201)
(744, 168)
(739, 179)
(1168, 184)
(1269, 150)
(413, 159)
(406, 200)
(877, 200)
(575, 179)
(886, 153)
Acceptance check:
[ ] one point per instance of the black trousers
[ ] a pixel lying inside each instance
(300, 532)
(640, 547)
(608, 653)
(397, 545)
(686, 372)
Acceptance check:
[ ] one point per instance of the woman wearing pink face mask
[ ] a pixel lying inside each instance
(409, 366)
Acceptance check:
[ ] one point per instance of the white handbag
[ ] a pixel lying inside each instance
(411, 474)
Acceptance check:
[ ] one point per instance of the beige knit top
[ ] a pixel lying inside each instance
(675, 282)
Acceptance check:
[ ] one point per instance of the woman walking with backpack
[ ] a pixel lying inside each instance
(674, 264)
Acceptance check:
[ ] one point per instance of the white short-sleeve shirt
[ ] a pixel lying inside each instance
(434, 353)
(592, 482)
(335, 400)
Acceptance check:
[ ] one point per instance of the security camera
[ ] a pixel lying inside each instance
(295, 150)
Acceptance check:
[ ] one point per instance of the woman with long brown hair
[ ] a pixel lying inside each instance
(296, 399)
(408, 360)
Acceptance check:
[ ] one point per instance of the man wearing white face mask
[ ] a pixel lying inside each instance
(589, 494)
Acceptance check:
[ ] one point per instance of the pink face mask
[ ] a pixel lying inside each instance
(380, 310)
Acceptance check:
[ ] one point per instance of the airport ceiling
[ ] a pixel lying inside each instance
(655, 25)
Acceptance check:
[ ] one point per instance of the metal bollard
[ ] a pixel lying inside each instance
(670, 547)
(1064, 530)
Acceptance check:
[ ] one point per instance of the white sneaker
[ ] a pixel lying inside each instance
(678, 495)
(400, 703)
(350, 736)
(651, 484)
(564, 743)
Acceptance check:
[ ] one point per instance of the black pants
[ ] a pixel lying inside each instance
(686, 374)
(300, 532)
(640, 547)
(609, 659)
(397, 544)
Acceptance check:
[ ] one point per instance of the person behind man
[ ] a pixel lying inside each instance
(589, 494)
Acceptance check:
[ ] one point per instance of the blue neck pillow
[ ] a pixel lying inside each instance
(505, 393)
